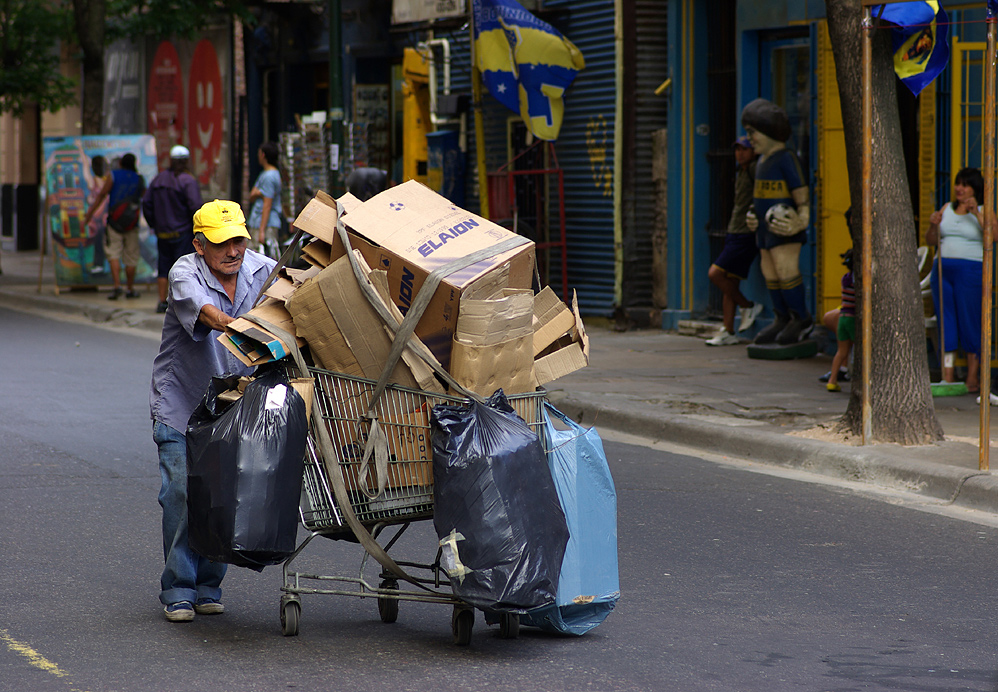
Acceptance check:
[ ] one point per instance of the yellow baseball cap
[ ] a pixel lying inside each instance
(220, 221)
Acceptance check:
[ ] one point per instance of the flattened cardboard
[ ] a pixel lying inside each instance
(567, 359)
(493, 344)
(552, 319)
(316, 325)
(410, 452)
(252, 344)
(344, 331)
(490, 322)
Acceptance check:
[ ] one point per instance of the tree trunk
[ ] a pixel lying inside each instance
(900, 396)
(89, 16)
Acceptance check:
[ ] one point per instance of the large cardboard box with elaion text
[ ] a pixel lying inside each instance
(409, 231)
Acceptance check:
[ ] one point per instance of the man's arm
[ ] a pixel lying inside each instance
(214, 318)
(104, 192)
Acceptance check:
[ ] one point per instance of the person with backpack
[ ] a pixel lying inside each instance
(124, 189)
(169, 206)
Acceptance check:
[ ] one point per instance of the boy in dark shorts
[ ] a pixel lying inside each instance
(738, 253)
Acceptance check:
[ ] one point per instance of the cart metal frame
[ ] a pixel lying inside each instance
(342, 401)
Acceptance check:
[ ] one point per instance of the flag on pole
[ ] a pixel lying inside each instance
(525, 63)
(921, 47)
(992, 8)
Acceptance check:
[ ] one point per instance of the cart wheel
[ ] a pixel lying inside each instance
(290, 614)
(461, 623)
(509, 626)
(388, 608)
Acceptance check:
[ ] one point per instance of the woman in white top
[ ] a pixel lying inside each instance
(957, 229)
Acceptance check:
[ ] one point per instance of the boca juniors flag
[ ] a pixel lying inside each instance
(525, 63)
(921, 47)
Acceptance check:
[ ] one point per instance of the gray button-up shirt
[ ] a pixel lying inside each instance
(189, 353)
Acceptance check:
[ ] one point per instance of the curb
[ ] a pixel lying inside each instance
(966, 488)
(113, 316)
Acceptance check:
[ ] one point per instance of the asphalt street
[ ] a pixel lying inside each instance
(734, 576)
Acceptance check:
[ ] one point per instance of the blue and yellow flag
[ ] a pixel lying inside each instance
(921, 48)
(525, 63)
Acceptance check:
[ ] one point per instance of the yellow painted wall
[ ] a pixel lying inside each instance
(832, 191)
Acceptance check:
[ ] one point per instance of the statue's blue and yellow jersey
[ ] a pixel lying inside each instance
(776, 176)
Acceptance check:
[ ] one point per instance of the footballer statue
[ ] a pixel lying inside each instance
(779, 217)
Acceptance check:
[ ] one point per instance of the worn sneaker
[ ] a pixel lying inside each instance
(179, 612)
(748, 316)
(724, 338)
(833, 387)
(133, 294)
(208, 606)
(116, 293)
(992, 398)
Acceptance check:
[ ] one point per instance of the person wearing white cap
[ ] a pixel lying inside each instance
(169, 206)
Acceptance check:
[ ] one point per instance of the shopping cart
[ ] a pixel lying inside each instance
(345, 497)
(401, 495)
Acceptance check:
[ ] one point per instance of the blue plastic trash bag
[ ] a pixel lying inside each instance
(496, 511)
(245, 463)
(589, 585)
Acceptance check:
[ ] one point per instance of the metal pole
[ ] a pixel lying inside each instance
(987, 268)
(866, 286)
(335, 96)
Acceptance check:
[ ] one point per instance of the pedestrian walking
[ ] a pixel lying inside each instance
(124, 189)
(169, 206)
(265, 198)
(208, 289)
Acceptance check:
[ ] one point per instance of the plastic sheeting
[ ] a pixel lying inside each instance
(589, 586)
(244, 472)
(496, 510)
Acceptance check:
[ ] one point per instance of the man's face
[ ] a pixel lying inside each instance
(743, 154)
(225, 258)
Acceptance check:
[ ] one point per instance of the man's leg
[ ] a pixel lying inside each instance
(731, 295)
(186, 576)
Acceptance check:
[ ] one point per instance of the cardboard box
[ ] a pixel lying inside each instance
(493, 344)
(410, 452)
(408, 231)
(552, 319)
(254, 345)
(343, 331)
(566, 355)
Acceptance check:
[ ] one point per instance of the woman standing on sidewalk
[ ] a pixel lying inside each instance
(265, 214)
(957, 231)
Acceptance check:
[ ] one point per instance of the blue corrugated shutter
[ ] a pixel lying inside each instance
(584, 147)
(585, 151)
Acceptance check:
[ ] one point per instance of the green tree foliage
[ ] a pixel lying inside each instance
(30, 32)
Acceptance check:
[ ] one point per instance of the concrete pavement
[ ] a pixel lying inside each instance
(664, 386)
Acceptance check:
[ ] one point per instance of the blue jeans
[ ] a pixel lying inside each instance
(187, 576)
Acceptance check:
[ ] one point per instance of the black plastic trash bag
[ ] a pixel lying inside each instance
(244, 472)
(496, 510)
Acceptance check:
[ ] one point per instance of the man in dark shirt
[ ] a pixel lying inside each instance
(739, 252)
(169, 205)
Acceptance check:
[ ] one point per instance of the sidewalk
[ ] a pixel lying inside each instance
(665, 386)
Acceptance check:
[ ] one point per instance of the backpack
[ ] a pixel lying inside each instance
(125, 216)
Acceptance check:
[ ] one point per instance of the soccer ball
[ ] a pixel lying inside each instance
(779, 212)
